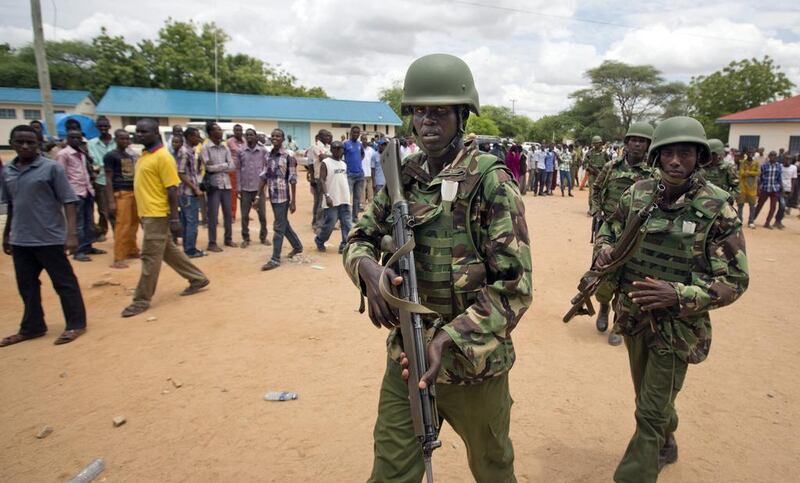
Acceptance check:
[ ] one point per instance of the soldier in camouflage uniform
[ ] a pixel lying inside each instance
(721, 174)
(614, 178)
(593, 162)
(473, 268)
(691, 260)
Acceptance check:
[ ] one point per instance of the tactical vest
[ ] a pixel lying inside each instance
(620, 179)
(450, 269)
(674, 245)
(717, 175)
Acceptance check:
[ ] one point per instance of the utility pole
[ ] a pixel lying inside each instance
(513, 104)
(42, 70)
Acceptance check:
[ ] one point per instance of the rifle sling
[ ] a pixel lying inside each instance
(391, 299)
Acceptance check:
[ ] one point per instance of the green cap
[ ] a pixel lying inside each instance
(640, 129)
(439, 80)
(716, 146)
(680, 129)
(596, 139)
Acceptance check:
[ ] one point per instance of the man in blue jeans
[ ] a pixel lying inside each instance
(335, 195)
(280, 178)
(549, 168)
(353, 157)
(189, 191)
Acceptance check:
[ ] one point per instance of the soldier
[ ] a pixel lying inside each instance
(616, 177)
(691, 260)
(593, 162)
(721, 174)
(474, 269)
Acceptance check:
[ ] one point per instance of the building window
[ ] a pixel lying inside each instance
(794, 145)
(387, 129)
(8, 113)
(748, 142)
(59, 112)
(32, 114)
(341, 124)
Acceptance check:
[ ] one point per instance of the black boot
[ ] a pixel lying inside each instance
(602, 317)
(668, 454)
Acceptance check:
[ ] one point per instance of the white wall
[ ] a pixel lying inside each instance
(86, 106)
(773, 135)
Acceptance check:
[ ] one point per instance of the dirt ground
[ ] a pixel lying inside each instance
(297, 329)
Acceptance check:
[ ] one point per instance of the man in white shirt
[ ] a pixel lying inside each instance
(539, 159)
(788, 183)
(366, 165)
(335, 197)
(316, 153)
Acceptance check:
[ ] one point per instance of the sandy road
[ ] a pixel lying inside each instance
(297, 329)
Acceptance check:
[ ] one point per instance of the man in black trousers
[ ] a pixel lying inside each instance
(36, 236)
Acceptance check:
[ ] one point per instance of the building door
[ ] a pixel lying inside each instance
(299, 131)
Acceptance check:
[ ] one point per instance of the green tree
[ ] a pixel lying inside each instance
(180, 57)
(393, 96)
(503, 118)
(741, 85)
(592, 114)
(482, 125)
(638, 91)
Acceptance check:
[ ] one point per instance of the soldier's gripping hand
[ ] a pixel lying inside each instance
(441, 341)
(380, 313)
(603, 257)
(654, 294)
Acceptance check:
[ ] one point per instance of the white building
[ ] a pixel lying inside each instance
(771, 126)
(20, 105)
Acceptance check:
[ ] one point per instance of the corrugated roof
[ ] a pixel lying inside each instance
(141, 101)
(786, 110)
(22, 95)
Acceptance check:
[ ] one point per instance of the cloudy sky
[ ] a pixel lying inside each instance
(533, 51)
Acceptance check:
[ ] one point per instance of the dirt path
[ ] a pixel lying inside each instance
(297, 329)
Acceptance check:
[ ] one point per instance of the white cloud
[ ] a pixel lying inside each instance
(532, 51)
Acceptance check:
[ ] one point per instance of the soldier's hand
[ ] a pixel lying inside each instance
(654, 294)
(380, 313)
(441, 341)
(604, 257)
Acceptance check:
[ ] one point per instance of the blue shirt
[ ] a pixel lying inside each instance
(549, 161)
(352, 156)
(379, 179)
(770, 179)
(37, 194)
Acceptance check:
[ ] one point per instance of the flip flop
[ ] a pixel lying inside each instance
(17, 338)
(68, 336)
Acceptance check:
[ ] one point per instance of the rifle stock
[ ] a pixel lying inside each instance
(424, 416)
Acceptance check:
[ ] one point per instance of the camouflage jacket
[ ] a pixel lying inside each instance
(594, 161)
(500, 273)
(711, 242)
(724, 176)
(615, 177)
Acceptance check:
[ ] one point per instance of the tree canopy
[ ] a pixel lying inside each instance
(180, 57)
(740, 85)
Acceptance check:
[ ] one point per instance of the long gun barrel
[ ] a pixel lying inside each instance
(423, 402)
(623, 249)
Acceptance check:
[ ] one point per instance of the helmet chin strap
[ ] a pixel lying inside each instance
(453, 144)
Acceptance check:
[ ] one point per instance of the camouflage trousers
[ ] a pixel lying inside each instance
(478, 413)
(657, 379)
(605, 292)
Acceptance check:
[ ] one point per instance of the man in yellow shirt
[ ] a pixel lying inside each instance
(749, 169)
(155, 187)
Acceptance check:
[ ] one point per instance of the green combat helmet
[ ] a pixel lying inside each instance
(680, 129)
(596, 139)
(439, 80)
(716, 146)
(640, 129)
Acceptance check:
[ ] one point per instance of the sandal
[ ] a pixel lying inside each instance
(17, 338)
(68, 336)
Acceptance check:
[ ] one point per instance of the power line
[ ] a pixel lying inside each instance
(595, 22)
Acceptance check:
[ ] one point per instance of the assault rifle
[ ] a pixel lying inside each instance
(423, 401)
(623, 249)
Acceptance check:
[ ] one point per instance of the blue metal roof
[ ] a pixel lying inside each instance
(22, 95)
(142, 101)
